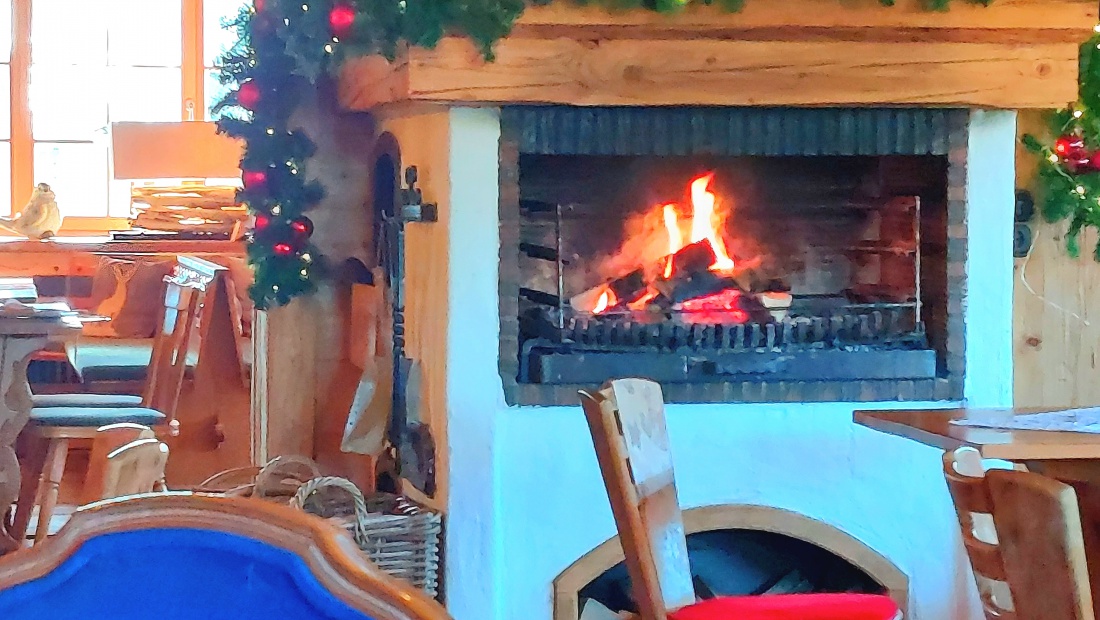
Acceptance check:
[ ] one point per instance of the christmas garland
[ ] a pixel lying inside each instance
(1068, 180)
(285, 47)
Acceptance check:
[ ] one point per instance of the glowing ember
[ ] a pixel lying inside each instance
(606, 300)
(723, 307)
(644, 300)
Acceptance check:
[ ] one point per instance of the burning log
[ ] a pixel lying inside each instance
(623, 290)
(692, 285)
(690, 259)
(629, 287)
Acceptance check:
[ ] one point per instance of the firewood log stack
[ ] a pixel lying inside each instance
(199, 208)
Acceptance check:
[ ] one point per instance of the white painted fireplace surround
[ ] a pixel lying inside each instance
(525, 494)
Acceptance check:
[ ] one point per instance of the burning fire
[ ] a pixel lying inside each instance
(607, 299)
(705, 226)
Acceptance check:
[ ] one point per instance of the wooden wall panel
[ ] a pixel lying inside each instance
(424, 135)
(1056, 339)
(298, 348)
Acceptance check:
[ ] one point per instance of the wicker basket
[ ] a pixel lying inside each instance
(401, 538)
(278, 480)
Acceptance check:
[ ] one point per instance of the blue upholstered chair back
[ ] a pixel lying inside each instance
(100, 566)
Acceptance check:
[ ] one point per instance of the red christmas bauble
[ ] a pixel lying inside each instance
(259, 5)
(1068, 145)
(1078, 163)
(262, 221)
(283, 249)
(302, 226)
(248, 95)
(341, 19)
(255, 180)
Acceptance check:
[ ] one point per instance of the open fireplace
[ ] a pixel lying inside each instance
(731, 253)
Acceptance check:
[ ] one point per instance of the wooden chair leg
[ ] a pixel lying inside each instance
(56, 455)
(31, 471)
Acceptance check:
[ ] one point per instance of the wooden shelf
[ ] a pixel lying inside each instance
(1013, 54)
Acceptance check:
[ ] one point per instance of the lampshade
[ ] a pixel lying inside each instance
(184, 150)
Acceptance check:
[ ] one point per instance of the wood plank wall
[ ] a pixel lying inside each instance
(1056, 312)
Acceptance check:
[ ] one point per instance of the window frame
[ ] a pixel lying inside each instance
(192, 107)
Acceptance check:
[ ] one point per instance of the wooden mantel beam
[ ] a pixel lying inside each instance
(1015, 54)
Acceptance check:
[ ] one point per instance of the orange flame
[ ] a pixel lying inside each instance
(606, 300)
(675, 238)
(704, 224)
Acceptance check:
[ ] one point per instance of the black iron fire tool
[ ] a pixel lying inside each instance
(410, 444)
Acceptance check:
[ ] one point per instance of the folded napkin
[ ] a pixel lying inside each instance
(1085, 420)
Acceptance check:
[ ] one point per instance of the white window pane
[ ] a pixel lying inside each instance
(69, 31)
(5, 30)
(77, 173)
(5, 104)
(146, 94)
(145, 33)
(5, 177)
(68, 103)
(215, 38)
(214, 91)
(119, 200)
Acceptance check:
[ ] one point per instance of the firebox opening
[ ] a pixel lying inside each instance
(703, 269)
(737, 562)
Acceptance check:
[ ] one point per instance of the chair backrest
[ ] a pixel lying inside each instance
(627, 421)
(107, 440)
(183, 300)
(181, 556)
(134, 469)
(1022, 532)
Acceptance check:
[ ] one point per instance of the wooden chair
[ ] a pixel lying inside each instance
(51, 429)
(627, 421)
(215, 557)
(126, 459)
(1022, 533)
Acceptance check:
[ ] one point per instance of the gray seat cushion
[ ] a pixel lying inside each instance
(98, 359)
(95, 416)
(86, 400)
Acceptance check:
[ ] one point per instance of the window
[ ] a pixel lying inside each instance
(73, 68)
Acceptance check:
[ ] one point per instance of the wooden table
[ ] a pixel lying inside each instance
(1073, 458)
(19, 339)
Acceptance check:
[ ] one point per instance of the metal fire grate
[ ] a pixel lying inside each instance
(819, 338)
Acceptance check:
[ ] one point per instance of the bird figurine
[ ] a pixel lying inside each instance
(40, 219)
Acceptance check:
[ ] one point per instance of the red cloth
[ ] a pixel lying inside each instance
(791, 607)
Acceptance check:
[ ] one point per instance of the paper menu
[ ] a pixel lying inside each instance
(1086, 420)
